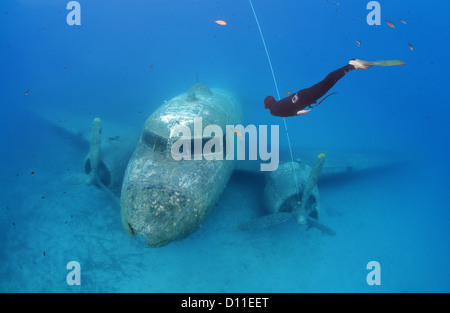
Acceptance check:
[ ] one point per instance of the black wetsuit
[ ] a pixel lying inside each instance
(305, 97)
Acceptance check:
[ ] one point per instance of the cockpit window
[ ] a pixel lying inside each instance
(215, 146)
(155, 142)
(161, 144)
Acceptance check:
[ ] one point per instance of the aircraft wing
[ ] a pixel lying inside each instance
(338, 162)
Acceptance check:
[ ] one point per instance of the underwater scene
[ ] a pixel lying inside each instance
(226, 146)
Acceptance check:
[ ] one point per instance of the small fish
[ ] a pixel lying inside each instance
(44, 253)
(358, 43)
(115, 138)
(403, 21)
(151, 66)
(236, 132)
(287, 92)
(220, 22)
(32, 173)
(26, 93)
(43, 197)
(13, 224)
(411, 47)
(390, 24)
(178, 122)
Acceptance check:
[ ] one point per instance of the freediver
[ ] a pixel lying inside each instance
(296, 103)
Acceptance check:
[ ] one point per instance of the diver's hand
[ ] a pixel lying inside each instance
(303, 112)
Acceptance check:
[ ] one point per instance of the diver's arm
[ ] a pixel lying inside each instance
(303, 112)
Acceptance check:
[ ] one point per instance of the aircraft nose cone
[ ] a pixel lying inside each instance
(160, 213)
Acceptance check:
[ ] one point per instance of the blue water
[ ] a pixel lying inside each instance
(398, 217)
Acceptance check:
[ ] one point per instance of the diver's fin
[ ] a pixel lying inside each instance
(383, 63)
(266, 221)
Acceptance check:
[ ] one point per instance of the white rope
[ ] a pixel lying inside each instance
(278, 94)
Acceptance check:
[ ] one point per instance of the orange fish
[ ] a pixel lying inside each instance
(411, 47)
(220, 22)
(359, 43)
(390, 24)
(403, 21)
(236, 132)
(26, 93)
(287, 92)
